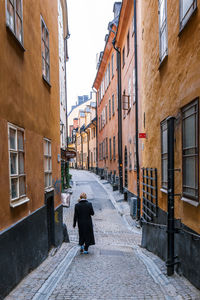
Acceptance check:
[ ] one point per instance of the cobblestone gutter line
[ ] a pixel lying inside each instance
(48, 287)
(112, 199)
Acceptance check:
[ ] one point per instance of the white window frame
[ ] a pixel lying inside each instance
(45, 57)
(15, 13)
(23, 198)
(163, 30)
(185, 16)
(49, 170)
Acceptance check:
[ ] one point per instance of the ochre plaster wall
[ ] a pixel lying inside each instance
(111, 128)
(128, 117)
(167, 89)
(27, 101)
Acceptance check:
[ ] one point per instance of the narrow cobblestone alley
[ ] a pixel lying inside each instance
(115, 268)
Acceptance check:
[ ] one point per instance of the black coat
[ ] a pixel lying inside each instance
(82, 215)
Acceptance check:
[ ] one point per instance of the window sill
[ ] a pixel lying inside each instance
(181, 29)
(46, 81)
(163, 191)
(163, 62)
(19, 202)
(129, 110)
(189, 201)
(16, 39)
(49, 189)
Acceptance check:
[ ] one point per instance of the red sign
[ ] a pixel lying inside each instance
(142, 135)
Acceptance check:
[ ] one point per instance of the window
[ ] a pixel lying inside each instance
(123, 57)
(112, 64)
(114, 155)
(17, 164)
(99, 124)
(133, 26)
(128, 43)
(106, 147)
(109, 109)
(190, 150)
(110, 147)
(164, 155)
(113, 104)
(45, 52)
(125, 167)
(129, 91)
(108, 73)
(14, 18)
(134, 85)
(106, 113)
(187, 7)
(163, 29)
(47, 164)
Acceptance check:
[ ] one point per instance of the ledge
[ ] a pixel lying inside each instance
(163, 62)
(46, 81)
(14, 36)
(48, 190)
(192, 202)
(19, 202)
(164, 191)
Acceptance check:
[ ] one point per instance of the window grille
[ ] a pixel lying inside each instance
(149, 194)
(45, 52)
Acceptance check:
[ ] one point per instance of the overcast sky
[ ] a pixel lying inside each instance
(88, 23)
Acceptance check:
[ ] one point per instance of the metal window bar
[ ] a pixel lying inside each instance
(149, 193)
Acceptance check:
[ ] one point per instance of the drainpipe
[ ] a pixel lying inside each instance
(136, 110)
(88, 164)
(96, 133)
(65, 50)
(170, 195)
(119, 117)
(82, 151)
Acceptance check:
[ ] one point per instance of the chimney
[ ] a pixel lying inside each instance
(116, 9)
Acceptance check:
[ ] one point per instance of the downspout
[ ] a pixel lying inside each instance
(88, 148)
(96, 133)
(136, 111)
(65, 49)
(81, 151)
(119, 117)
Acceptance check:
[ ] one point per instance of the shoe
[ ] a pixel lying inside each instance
(85, 252)
(81, 249)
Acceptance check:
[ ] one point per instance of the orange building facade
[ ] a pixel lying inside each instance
(30, 172)
(107, 106)
(170, 112)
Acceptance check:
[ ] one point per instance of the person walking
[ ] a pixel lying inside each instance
(82, 215)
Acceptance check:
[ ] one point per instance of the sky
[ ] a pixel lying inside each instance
(88, 23)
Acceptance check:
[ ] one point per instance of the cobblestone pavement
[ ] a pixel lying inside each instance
(116, 267)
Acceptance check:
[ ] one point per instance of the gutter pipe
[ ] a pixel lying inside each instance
(136, 111)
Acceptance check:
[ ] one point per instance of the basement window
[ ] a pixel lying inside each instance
(14, 18)
(17, 166)
(187, 8)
